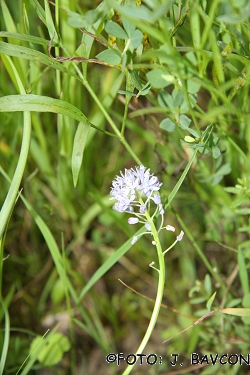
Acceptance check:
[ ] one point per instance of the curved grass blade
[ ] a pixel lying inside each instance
(180, 181)
(78, 149)
(38, 103)
(107, 265)
(30, 54)
(6, 337)
(16, 180)
(26, 38)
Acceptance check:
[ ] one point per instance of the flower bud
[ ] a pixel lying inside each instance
(133, 241)
(169, 227)
(133, 220)
(179, 238)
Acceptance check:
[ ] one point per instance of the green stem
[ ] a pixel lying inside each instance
(160, 290)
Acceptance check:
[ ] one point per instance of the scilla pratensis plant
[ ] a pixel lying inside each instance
(137, 192)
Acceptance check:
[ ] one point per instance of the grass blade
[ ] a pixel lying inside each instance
(78, 149)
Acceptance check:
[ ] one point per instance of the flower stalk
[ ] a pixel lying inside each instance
(136, 191)
(159, 295)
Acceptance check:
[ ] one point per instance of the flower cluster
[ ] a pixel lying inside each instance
(130, 188)
(134, 191)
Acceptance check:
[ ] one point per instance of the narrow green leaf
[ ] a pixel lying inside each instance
(236, 311)
(27, 38)
(123, 92)
(11, 197)
(195, 27)
(108, 264)
(144, 90)
(210, 301)
(240, 38)
(180, 181)
(38, 103)
(135, 79)
(8, 20)
(78, 149)
(233, 19)
(39, 10)
(160, 9)
(6, 337)
(243, 211)
(49, 22)
(30, 54)
(232, 190)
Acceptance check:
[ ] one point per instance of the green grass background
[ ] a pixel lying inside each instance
(70, 131)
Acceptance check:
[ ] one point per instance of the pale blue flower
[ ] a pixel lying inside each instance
(133, 241)
(143, 208)
(157, 199)
(180, 236)
(161, 209)
(133, 220)
(131, 185)
(148, 182)
(135, 190)
(169, 227)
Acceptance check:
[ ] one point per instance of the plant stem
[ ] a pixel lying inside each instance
(160, 290)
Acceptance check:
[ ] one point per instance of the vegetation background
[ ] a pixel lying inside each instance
(166, 85)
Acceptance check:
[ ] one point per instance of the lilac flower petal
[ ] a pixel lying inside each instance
(133, 220)
(133, 241)
(161, 209)
(169, 227)
(180, 236)
(142, 208)
(131, 185)
(157, 199)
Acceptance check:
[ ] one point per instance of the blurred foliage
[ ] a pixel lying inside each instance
(165, 78)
